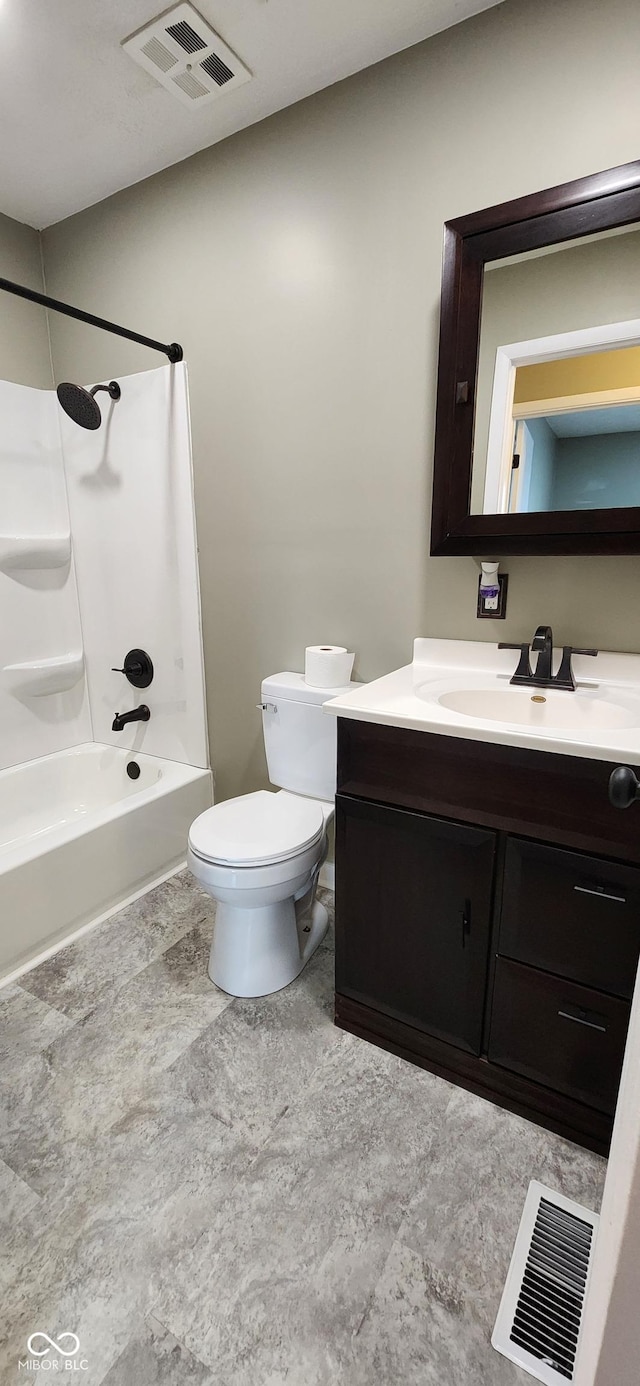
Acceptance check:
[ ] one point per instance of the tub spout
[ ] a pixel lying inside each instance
(139, 714)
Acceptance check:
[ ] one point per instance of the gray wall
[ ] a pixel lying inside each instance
(24, 341)
(299, 263)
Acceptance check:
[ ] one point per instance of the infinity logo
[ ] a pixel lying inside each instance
(64, 1352)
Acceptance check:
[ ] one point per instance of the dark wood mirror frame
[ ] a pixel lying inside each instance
(588, 205)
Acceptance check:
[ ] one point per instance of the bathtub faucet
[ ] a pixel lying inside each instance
(139, 714)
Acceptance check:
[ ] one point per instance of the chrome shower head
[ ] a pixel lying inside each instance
(80, 404)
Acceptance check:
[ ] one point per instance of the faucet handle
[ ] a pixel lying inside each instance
(137, 668)
(565, 676)
(523, 670)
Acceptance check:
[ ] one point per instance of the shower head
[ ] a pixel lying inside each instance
(80, 404)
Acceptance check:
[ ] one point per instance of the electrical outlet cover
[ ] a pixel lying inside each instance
(497, 613)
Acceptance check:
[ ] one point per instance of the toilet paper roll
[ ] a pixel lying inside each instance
(327, 666)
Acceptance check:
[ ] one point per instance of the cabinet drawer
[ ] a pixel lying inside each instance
(575, 915)
(568, 1037)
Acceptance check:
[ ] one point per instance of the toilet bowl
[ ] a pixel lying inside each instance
(258, 856)
(268, 921)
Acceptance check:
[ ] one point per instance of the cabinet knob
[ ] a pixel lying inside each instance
(624, 787)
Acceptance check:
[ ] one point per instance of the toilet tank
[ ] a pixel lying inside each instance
(299, 738)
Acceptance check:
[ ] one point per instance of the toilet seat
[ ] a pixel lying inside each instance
(248, 883)
(257, 829)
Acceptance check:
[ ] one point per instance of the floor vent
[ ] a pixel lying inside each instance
(186, 56)
(540, 1315)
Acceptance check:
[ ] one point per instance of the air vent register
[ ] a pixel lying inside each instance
(187, 57)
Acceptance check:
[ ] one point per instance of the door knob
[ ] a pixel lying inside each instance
(624, 788)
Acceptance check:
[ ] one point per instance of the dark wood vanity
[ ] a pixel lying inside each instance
(488, 896)
(488, 918)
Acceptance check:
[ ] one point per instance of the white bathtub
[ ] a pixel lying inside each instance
(79, 837)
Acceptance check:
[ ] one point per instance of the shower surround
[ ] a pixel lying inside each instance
(97, 556)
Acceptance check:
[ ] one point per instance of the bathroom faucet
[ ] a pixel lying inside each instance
(542, 676)
(543, 642)
(139, 714)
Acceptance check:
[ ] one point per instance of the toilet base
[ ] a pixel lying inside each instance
(258, 951)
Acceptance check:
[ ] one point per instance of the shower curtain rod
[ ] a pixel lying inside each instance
(173, 350)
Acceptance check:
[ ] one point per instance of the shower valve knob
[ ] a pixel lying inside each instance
(138, 668)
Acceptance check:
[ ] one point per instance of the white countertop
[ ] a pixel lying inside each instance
(409, 697)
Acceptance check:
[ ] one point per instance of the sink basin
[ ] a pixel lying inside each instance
(539, 707)
(463, 688)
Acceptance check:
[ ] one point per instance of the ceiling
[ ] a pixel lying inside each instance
(590, 423)
(80, 120)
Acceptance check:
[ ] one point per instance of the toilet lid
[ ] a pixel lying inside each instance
(256, 829)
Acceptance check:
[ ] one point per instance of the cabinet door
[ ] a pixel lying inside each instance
(413, 902)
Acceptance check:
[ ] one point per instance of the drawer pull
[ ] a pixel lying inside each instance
(580, 1020)
(601, 894)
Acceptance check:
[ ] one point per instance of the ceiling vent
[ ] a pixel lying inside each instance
(187, 57)
(540, 1315)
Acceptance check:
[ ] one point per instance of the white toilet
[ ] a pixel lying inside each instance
(259, 855)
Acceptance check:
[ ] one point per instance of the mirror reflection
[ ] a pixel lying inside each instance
(567, 435)
(557, 419)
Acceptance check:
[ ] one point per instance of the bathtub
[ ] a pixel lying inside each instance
(79, 837)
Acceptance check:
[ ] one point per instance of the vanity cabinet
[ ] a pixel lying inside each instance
(488, 918)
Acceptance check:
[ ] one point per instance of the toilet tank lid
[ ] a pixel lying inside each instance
(293, 687)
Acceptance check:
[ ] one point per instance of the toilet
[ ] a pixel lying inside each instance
(259, 855)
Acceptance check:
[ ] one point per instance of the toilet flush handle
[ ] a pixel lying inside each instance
(267, 707)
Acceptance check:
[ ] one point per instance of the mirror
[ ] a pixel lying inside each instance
(538, 418)
(555, 368)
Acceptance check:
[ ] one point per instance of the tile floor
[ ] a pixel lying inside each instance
(217, 1192)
